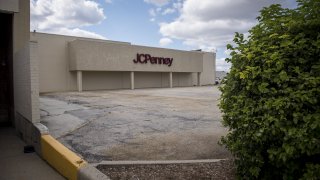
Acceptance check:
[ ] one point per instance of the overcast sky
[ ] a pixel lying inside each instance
(178, 24)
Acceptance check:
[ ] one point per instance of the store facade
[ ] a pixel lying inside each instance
(68, 63)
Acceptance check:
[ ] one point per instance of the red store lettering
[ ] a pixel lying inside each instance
(145, 58)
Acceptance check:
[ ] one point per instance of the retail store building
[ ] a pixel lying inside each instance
(68, 63)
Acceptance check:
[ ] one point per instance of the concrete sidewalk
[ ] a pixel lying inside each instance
(16, 165)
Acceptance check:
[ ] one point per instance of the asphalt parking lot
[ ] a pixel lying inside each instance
(141, 124)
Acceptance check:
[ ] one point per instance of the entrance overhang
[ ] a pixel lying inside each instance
(9, 6)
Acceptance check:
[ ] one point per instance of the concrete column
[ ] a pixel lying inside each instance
(170, 79)
(132, 79)
(198, 79)
(79, 80)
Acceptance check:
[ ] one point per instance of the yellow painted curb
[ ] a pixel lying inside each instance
(66, 162)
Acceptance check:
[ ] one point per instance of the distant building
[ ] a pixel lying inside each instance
(221, 74)
(68, 63)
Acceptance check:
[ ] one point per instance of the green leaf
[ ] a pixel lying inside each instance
(243, 75)
(273, 35)
(255, 171)
(285, 36)
(263, 87)
(249, 56)
(229, 46)
(283, 75)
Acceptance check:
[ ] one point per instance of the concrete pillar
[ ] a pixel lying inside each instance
(132, 80)
(199, 78)
(170, 79)
(79, 80)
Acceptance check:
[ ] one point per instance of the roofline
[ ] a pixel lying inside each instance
(121, 42)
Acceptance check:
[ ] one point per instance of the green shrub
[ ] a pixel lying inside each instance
(270, 98)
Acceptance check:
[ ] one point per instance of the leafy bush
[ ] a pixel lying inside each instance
(270, 98)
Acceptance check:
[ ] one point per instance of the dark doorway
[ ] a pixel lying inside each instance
(6, 70)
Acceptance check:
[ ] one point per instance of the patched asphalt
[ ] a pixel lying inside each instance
(141, 124)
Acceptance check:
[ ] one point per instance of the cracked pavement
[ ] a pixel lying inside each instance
(141, 124)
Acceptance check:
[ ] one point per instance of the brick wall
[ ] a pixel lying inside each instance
(25, 66)
(34, 81)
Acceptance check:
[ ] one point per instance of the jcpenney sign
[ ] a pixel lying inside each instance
(145, 58)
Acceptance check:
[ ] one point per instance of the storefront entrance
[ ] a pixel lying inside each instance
(6, 70)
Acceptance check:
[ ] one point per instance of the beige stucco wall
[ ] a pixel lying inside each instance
(54, 72)
(25, 67)
(103, 56)
(25, 70)
(208, 74)
(98, 80)
(183, 79)
(151, 79)
(57, 54)
(94, 80)
(9, 5)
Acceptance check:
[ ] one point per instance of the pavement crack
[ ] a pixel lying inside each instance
(48, 113)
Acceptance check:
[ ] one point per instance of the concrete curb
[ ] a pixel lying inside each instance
(66, 162)
(88, 172)
(61, 158)
(158, 162)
